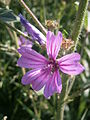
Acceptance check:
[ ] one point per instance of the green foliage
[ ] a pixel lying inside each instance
(7, 15)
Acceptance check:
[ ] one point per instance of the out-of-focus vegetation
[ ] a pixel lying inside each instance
(19, 102)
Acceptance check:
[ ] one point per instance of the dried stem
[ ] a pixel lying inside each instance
(33, 17)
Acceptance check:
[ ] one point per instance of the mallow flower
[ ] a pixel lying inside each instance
(45, 71)
(33, 31)
(22, 41)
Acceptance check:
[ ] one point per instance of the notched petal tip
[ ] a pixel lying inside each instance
(60, 34)
(20, 15)
(73, 57)
(21, 49)
(23, 20)
(53, 44)
(18, 50)
(73, 69)
(70, 65)
(19, 62)
(23, 81)
(47, 97)
(81, 68)
(59, 89)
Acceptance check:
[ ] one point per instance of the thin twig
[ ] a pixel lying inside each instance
(33, 17)
(17, 45)
(7, 48)
(76, 94)
(18, 31)
(10, 33)
(71, 84)
(84, 115)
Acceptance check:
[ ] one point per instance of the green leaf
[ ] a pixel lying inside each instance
(7, 15)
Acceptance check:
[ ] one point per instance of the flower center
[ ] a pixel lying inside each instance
(53, 64)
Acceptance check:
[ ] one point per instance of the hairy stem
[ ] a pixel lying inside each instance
(79, 21)
(33, 17)
(78, 27)
(75, 36)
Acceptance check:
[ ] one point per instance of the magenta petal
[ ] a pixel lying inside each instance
(69, 64)
(29, 53)
(30, 76)
(48, 42)
(53, 44)
(47, 91)
(31, 59)
(30, 63)
(68, 58)
(54, 85)
(37, 78)
(57, 44)
(73, 69)
(58, 82)
(42, 80)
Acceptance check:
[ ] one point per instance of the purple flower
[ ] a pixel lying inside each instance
(45, 72)
(33, 31)
(24, 42)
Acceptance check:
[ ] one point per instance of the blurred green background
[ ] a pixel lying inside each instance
(19, 102)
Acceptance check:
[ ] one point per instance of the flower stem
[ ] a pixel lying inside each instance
(79, 21)
(33, 17)
(60, 98)
(59, 111)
